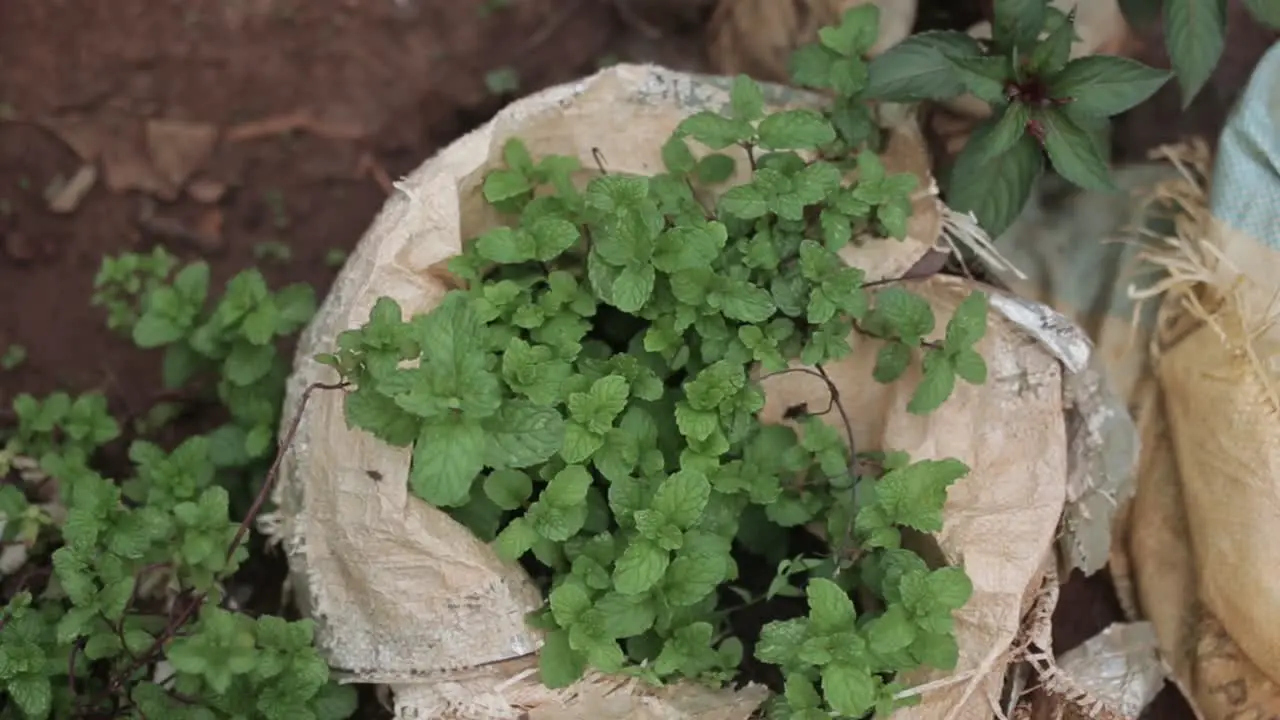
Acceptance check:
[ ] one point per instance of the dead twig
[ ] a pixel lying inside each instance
(296, 121)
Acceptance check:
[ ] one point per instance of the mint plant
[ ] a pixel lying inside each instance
(1195, 33)
(588, 401)
(1045, 105)
(123, 280)
(133, 618)
(233, 342)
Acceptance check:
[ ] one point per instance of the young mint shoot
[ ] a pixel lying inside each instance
(139, 563)
(588, 402)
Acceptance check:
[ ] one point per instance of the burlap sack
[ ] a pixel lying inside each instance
(1196, 548)
(757, 37)
(406, 597)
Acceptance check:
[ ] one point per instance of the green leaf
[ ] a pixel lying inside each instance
(935, 387)
(892, 631)
(892, 361)
(969, 322)
(1195, 33)
(830, 607)
(742, 301)
(32, 693)
(505, 245)
(984, 76)
(154, 330)
(1055, 50)
(913, 496)
(1073, 152)
(1266, 12)
(849, 690)
(559, 666)
(950, 587)
(516, 155)
(994, 189)
(501, 185)
(746, 98)
(744, 201)
(1010, 127)
(677, 157)
(856, 33)
(1105, 85)
(640, 567)
(920, 67)
(682, 497)
(1018, 23)
(600, 405)
(522, 434)
(691, 578)
(970, 367)
(568, 488)
(552, 236)
(714, 169)
(446, 459)
(799, 129)
(579, 443)
(624, 616)
(633, 288)
(248, 363)
(568, 602)
(716, 131)
(810, 65)
(516, 539)
(906, 314)
(508, 489)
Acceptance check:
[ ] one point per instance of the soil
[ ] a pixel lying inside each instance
(229, 130)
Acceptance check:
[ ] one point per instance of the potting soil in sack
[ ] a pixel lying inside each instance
(659, 387)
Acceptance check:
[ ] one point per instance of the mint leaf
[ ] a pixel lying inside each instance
(795, 130)
(633, 288)
(1055, 50)
(682, 497)
(1018, 23)
(856, 33)
(502, 185)
(970, 367)
(1010, 126)
(968, 323)
(744, 201)
(936, 386)
(830, 607)
(994, 188)
(920, 68)
(522, 434)
(508, 489)
(446, 459)
(1105, 85)
(746, 98)
(1265, 12)
(849, 690)
(1073, 152)
(1195, 33)
(559, 666)
(984, 76)
(640, 567)
(716, 131)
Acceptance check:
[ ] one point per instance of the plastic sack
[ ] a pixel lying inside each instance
(406, 597)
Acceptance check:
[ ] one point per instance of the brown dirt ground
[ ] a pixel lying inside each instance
(284, 119)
